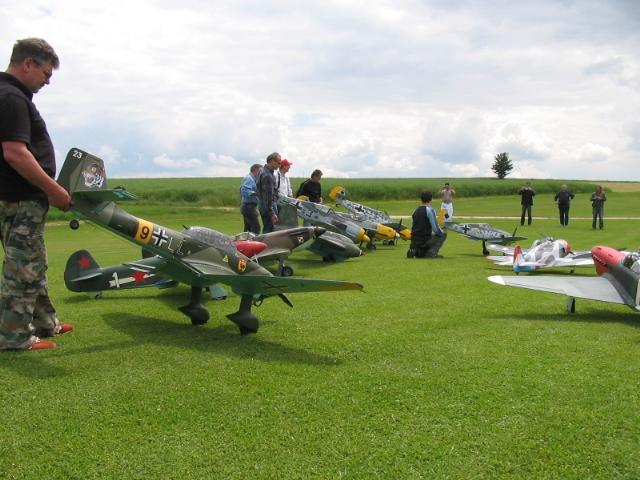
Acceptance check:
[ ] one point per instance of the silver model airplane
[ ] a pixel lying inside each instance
(483, 232)
(545, 253)
(324, 216)
(362, 212)
(618, 280)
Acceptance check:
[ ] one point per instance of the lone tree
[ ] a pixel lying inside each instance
(502, 166)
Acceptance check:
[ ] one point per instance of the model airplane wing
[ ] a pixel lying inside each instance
(570, 262)
(272, 254)
(501, 259)
(271, 285)
(592, 288)
(500, 248)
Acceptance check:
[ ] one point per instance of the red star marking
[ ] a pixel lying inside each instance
(138, 276)
(84, 262)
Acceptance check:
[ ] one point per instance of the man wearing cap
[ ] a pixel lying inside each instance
(282, 179)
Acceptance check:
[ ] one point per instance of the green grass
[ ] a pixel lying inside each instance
(432, 372)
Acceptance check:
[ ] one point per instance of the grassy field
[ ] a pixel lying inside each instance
(432, 372)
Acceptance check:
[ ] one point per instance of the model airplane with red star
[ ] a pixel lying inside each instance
(177, 256)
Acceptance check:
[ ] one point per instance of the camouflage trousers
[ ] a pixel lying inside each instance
(26, 311)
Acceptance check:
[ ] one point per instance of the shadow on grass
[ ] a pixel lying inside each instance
(224, 339)
(587, 316)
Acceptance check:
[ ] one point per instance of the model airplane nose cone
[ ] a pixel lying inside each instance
(604, 257)
(250, 248)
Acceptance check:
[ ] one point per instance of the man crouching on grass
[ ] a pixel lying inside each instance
(27, 188)
(426, 235)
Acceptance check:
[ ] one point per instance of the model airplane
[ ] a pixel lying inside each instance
(280, 244)
(362, 212)
(183, 258)
(331, 246)
(324, 216)
(483, 232)
(545, 253)
(334, 247)
(619, 276)
(82, 272)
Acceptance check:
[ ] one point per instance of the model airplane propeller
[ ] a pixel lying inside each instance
(178, 256)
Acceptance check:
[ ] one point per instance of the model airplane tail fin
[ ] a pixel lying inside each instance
(442, 216)
(82, 171)
(81, 266)
(83, 175)
(517, 258)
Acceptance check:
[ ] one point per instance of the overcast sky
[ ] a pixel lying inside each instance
(369, 88)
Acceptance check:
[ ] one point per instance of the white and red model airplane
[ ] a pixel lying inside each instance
(545, 253)
(617, 280)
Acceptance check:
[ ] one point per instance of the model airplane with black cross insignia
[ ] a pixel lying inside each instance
(326, 217)
(183, 258)
(483, 232)
(363, 212)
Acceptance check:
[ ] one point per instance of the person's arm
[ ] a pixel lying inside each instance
(435, 228)
(18, 156)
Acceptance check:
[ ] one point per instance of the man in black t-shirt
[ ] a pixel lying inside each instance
(526, 193)
(311, 187)
(27, 188)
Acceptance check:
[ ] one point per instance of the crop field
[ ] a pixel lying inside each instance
(430, 372)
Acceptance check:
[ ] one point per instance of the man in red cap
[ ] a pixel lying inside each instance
(282, 179)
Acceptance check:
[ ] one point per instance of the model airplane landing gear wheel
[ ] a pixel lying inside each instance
(74, 224)
(195, 310)
(285, 271)
(247, 322)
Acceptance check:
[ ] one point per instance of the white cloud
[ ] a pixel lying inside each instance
(357, 88)
(187, 165)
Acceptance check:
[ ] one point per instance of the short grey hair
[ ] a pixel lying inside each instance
(36, 48)
(273, 156)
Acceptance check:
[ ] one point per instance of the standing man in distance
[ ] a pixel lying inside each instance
(249, 200)
(446, 196)
(282, 179)
(563, 199)
(597, 203)
(268, 192)
(526, 200)
(27, 188)
(311, 187)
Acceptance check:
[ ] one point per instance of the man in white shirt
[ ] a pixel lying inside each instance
(282, 179)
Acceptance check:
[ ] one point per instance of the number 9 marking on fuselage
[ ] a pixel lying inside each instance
(144, 233)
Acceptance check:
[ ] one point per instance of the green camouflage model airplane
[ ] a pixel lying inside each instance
(178, 256)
